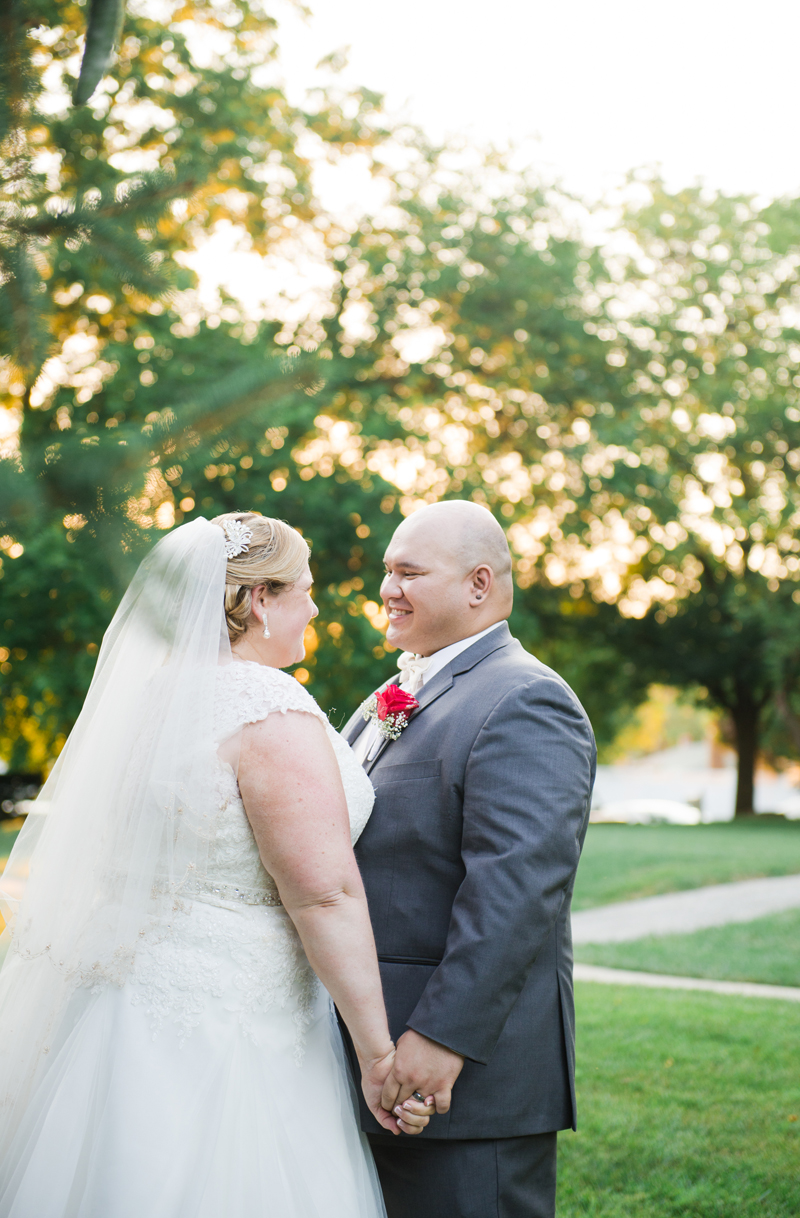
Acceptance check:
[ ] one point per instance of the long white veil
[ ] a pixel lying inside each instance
(127, 814)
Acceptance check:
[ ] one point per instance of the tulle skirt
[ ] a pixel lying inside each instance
(226, 1122)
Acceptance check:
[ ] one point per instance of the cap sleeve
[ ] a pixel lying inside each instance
(250, 692)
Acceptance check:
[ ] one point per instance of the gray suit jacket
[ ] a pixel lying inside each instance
(469, 862)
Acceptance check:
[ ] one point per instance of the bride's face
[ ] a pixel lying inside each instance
(288, 614)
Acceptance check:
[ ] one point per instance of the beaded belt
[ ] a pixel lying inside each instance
(225, 892)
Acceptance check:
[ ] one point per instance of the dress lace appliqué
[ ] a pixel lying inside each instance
(225, 938)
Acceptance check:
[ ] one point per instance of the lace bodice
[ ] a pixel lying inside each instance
(249, 693)
(227, 935)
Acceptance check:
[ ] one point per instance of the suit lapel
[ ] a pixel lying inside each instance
(354, 727)
(369, 763)
(484, 647)
(428, 694)
(434, 689)
(443, 680)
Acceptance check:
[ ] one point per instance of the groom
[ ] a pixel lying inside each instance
(469, 862)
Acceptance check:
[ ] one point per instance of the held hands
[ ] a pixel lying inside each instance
(420, 1065)
(409, 1116)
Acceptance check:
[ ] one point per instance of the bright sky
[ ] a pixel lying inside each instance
(590, 88)
(585, 89)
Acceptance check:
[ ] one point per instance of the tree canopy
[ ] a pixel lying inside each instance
(629, 407)
(126, 404)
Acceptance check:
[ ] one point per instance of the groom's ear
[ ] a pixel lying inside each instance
(481, 581)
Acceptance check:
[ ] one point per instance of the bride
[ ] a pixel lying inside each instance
(185, 911)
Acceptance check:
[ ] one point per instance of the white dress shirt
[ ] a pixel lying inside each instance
(370, 738)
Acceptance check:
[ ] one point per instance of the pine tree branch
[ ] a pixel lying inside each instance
(141, 199)
(18, 79)
(102, 34)
(97, 474)
(23, 311)
(127, 257)
(234, 397)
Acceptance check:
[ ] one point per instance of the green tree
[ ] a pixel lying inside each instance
(129, 407)
(632, 412)
(461, 364)
(709, 358)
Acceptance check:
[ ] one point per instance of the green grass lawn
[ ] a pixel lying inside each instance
(684, 1106)
(767, 950)
(620, 862)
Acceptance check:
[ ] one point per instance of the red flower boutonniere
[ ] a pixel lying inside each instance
(391, 710)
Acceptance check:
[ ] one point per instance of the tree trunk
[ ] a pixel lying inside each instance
(745, 714)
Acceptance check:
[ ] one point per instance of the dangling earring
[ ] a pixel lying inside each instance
(266, 627)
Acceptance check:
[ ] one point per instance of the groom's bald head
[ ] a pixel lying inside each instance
(466, 532)
(448, 576)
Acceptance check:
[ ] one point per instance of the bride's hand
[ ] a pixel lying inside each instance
(373, 1075)
(413, 1115)
(410, 1117)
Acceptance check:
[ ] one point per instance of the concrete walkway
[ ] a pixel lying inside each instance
(683, 912)
(659, 981)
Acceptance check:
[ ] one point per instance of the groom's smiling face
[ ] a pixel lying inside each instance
(448, 576)
(425, 591)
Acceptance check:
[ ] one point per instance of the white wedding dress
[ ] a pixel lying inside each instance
(212, 1083)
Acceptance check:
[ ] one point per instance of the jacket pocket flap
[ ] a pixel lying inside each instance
(408, 771)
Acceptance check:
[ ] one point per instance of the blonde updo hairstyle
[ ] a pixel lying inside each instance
(276, 557)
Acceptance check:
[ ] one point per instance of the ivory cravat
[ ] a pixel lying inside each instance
(417, 667)
(412, 668)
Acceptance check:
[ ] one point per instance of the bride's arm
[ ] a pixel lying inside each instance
(293, 795)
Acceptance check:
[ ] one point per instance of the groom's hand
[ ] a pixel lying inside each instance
(421, 1065)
